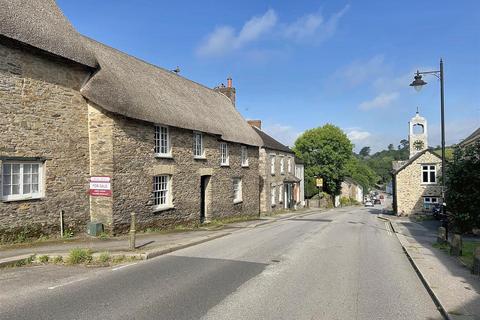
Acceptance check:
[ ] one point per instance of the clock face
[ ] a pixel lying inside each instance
(418, 145)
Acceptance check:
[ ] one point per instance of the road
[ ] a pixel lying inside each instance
(341, 264)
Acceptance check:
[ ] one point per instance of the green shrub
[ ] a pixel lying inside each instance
(43, 259)
(104, 257)
(103, 236)
(78, 255)
(58, 259)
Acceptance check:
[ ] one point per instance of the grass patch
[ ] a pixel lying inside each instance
(468, 248)
(78, 256)
(24, 262)
(103, 236)
(104, 257)
(58, 260)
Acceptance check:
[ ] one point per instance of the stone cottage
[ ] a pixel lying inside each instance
(280, 188)
(350, 189)
(415, 182)
(99, 134)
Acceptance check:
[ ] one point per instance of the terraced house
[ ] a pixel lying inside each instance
(99, 134)
(281, 179)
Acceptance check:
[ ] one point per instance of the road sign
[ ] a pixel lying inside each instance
(319, 182)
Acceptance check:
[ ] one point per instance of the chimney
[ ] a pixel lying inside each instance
(255, 123)
(228, 91)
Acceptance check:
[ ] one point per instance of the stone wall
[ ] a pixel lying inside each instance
(409, 188)
(135, 165)
(43, 115)
(277, 179)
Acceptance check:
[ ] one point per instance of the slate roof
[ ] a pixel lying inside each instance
(124, 84)
(41, 24)
(406, 163)
(271, 143)
(471, 138)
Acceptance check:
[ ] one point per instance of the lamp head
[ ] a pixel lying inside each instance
(417, 83)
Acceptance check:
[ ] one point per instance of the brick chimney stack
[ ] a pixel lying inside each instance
(255, 123)
(228, 91)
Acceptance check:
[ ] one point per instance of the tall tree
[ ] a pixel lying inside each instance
(364, 152)
(391, 147)
(325, 151)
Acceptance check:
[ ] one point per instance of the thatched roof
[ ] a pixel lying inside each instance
(41, 24)
(123, 84)
(270, 143)
(136, 89)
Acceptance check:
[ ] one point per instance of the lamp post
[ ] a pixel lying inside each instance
(417, 84)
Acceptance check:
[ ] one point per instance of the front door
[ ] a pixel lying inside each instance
(204, 180)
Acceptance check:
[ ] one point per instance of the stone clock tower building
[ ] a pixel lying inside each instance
(417, 137)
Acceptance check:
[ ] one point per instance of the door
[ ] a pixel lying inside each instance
(204, 183)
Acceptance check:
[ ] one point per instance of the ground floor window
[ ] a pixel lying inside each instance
(429, 202)
(22, 180)
(280, 193)
(162, 192)
(237, 190)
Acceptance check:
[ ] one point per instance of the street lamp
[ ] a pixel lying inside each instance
(417, 84)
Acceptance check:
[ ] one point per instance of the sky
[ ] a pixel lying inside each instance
(298, 65)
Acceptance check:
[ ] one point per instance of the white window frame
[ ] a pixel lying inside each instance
(162, 186)
(282, 165)
(272, 195)
(237, 190)
(289, 165)
(427, 168)
(272, 164)
(198, 145)
(224, 154)
(244, 151)
(23, 196)
(162, 142)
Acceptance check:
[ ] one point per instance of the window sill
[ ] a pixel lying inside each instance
(200, 158)
(163, 156)
(237, 201)
(428, 184)
(21, 199)
(245, 165)
(163, 208)
(224, 165)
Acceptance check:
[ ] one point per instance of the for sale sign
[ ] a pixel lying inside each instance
(100, 187)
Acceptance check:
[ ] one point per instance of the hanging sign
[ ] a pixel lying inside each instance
(100, 187)
(319, 182)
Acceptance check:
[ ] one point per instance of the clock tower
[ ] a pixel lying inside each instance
(417, 138)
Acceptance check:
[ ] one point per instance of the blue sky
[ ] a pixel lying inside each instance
(300, 64)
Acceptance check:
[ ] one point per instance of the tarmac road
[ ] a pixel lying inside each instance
(341, 264)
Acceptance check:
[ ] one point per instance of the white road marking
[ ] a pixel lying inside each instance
(124, 266)
(66, 283)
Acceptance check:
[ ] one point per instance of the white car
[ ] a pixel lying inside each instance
(368, 203)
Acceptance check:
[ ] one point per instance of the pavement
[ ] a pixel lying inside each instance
(339, 264)
(451, 283)
(148, 245)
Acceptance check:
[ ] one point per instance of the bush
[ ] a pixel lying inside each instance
(58, 259)
(43, 259)
(77, 256)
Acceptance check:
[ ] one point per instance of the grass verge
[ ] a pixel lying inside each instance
(468, 248)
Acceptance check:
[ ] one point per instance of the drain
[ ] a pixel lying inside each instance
(275, 260)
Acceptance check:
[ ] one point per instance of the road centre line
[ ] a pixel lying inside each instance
(67, 283)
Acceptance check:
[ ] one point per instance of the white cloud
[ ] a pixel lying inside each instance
(314, 26)
(357, 135)
(380, 101)
(224, 39)
(283, 133)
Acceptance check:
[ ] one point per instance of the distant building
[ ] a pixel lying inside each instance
(351, 189)
(415, 182)
(280, 187)
(100, 134)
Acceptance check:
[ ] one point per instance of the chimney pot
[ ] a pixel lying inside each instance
(229, 82)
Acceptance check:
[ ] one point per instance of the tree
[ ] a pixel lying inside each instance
(391, 147)
(359, 171)
(463, 188)
(364, 152)
(403, 145)
(325, 151)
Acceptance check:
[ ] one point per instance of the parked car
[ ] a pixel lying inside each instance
(368, 203)
(377, 201)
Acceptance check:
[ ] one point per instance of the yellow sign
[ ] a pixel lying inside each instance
(319, 182)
